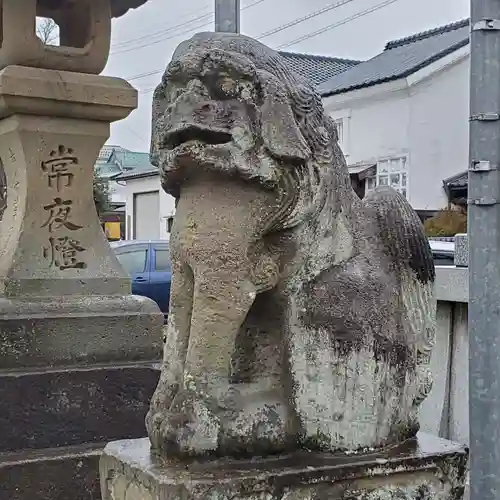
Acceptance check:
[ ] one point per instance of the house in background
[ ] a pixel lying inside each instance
(149, 211)
(111, 163)
(114, 161)
(403, 116)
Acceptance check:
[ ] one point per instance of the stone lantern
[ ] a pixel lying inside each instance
(74, 341)
(84, 27)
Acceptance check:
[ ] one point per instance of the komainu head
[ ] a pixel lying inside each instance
(228, 103)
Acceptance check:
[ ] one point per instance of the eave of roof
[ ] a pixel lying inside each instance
(400, 59)
(139, 174)
(457, 180)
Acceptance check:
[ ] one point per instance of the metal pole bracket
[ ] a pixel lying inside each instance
(487, 25)
(485, 117)
(482, 166)
(483, 202)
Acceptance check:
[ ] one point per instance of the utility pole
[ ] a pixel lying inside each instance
(227, 16)
(484, 251)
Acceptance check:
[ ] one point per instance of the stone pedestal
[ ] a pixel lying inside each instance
(77, 350)
(423, 469)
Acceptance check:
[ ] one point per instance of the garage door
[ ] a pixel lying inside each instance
(147, 216)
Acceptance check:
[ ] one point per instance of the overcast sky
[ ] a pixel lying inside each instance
(144, 39)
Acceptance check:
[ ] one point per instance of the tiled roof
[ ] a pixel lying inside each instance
(458, 180)
(318, 69)
(401, 58)
(114, 160)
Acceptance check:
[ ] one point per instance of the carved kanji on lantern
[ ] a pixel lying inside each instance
(58, 167)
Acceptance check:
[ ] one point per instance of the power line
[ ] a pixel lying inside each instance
(282, 27)
(163, 39)
(304, 37)
(132, 131)
(335, 25)
(165, 30)
(300, 20)
(205, 17)
(294, 23)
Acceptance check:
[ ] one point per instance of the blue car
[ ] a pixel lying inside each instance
(148, 264)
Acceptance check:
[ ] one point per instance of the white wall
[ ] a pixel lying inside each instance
(117, 192)
(145, 185)
(374, 128)
(445, 412)
(424, 116)
(439, 133)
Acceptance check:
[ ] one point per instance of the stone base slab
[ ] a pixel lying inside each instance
(53, 474)
(80, 330)
(54, 424)
(422, 469)
(55, 408)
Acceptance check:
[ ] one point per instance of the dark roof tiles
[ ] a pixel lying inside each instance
(400, 58)
(317, 69)
(427, 34)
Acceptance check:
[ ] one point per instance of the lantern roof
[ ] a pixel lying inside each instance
(120, 7)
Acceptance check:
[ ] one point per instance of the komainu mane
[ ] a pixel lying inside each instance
(301, 317)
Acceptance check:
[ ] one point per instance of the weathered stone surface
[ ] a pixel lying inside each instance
(81, 331)
(57, 269)
(55, 474)
(301, 317)
(84, 34)
(76, 347)
(432, 470)
(45, 417)
(67, 407)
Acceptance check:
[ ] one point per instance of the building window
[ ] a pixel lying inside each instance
(391, 172)
(339, 123)
(169, 222)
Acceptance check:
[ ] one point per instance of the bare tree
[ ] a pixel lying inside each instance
(47, 30)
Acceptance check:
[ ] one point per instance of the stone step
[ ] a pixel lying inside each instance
(52, 474)
(54, 408)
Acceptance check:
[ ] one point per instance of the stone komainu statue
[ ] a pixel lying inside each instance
(301, 317)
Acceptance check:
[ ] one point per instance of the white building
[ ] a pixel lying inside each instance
(149, 210)
(113, 161)
(403, 115)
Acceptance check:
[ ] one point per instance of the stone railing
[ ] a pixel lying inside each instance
(445, 412)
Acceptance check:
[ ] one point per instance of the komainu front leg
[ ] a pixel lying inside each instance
(197, 412)
(176, 342)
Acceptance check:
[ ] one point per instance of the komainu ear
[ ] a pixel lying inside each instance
(280, 133)
(159, 105)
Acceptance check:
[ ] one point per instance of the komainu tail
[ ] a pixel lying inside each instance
(406, 244)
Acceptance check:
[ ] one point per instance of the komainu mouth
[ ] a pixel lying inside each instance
(301, 316)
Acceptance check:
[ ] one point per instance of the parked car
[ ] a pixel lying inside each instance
(149, 266)
(443, 252)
